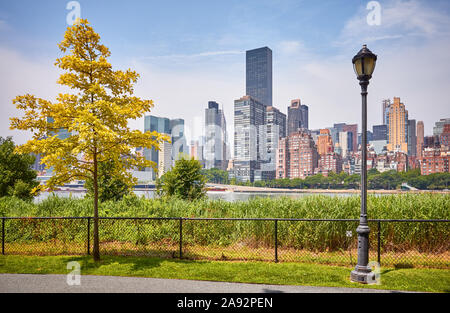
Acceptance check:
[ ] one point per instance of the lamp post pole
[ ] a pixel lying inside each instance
(362, 272)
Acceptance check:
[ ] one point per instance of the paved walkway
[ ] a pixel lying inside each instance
(111, 284)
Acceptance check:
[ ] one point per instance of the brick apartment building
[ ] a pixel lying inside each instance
(330, 162)
(297, 156)
(435, 160)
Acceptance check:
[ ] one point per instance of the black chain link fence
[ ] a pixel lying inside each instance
(399, 243)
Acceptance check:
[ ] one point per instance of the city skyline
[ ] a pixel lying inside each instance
(28, 50)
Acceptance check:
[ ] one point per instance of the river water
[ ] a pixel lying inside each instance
(227, 196)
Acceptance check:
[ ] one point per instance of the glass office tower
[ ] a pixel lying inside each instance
(174, 128)
(259, 75)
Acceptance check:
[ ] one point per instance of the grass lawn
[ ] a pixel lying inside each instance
(413, 279)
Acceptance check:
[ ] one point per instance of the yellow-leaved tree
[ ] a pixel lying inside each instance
(96, 117)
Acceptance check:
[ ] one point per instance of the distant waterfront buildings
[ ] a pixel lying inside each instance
(215, 151)
(174, 128)
(431, 142)
(385, 105)
(343, 127)
(179, 144)
(249, 115)
(444, 137)
(346, 143)
(379, 146)
(435, 160)
(259, 75)
(263, 134)
(337, 128)
(273, 129)
(397, 122)
(164, 158)
(258, 125)
(369, 137)
(330, 162)
(297, 117)
(420, 138)
(352, 128)
(196, 150)
(412, 138)
(379, 132)
(324, 142)
(297, 156)
(439, 126)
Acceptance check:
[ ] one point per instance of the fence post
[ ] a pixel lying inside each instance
(3, 236)
(181, 237)
(276, 241)
(379, 243)
(88, 235)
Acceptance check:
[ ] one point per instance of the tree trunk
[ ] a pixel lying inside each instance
(96, 248)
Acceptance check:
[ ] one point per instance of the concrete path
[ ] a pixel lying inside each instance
(111, 284)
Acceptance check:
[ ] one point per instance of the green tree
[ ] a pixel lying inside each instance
(109, 186)
(185, 180)
(16, 176)
(215, 175)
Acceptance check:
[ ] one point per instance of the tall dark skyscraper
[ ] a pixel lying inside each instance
(297, 116)
(259, 75)
(380, 132)
(412, 138)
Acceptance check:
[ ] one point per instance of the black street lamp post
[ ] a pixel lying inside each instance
(364, 65)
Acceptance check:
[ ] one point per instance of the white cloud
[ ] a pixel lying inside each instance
(399, 19)
(290, 47)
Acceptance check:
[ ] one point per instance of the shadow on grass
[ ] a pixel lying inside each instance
(137, 263)
(397, 266)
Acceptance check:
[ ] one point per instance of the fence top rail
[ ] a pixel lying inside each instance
(220, 219)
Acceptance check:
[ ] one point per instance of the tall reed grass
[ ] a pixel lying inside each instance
(429, 237)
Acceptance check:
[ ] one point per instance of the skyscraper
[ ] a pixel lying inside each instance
(179, 144)
(397, 122)
(174, 128)
(420, 138)
(297, 117)
(336, 129)
(439, 126)
(165, 160)
(216, 137)
(259, 75)
(346, 142)
(324, 142)
(385, 104)
(379, 132)
(271, 132)
(249, 116)
(352, 128)
(412, 139)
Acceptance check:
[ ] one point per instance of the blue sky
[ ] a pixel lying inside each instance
(190, 52)
(166, 27)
